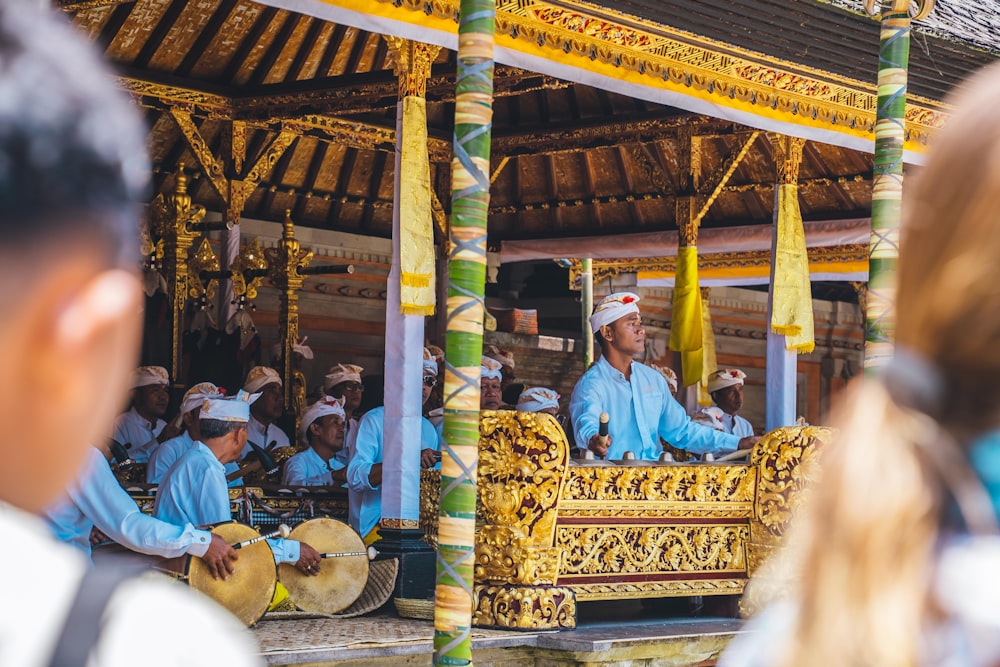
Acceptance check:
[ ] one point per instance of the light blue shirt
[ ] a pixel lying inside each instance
(194, 491)
(641, 411)
(364, 499)
(309, 469)
(263, 434)
(96, 498)
(166, 455)
(134, 430)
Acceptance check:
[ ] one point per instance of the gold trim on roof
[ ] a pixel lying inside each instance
(584, 35)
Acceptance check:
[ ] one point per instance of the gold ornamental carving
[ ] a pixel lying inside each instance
(719, 73)
(787, 157)
(649, 550)
(652, 484)
(411, 61)
(917, 9)
(246, 269)
(524, 608)
(430, 504)
(659, 589)
(203, 259)
(505, 554)
(787, 461)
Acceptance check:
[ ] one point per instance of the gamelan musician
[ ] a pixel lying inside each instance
(95, 498)
(265, 412)
(194, 490)
(635, 396)
(322, 431)
(142, 428)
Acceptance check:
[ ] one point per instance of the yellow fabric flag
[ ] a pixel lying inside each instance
(416, 227)
(686, 327)
(709, 363)
(792, 313)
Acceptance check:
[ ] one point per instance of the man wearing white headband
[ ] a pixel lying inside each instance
(266, 410)
(194, 490)
(364, 471)
(490, 384)
(141, 430)
(538, 399)
(322, 431)
(344, 381)
(167, 454)
(636, 397)
(725, 386)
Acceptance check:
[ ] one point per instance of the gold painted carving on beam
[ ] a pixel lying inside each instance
(721, 71)
(668, 483)
(203, 259)
(251, 257)
(621, 550)
(659, 589)
(523, 608)
(411, 61)
(588, 509)
(212, 168)
(917, 9)
(603, 269)
(787, 157)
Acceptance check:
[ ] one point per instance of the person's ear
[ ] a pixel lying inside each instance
(607, 333)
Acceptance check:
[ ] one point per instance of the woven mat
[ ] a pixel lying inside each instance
(378, 630)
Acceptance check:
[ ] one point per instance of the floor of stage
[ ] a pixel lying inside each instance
(621, 633)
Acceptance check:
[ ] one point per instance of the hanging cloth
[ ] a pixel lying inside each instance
(792, 313)
(686, 327)
(416, 242)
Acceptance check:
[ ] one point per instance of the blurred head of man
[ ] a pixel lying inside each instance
(73, 169)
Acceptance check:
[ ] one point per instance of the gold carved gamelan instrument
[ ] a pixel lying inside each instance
(343, 574)
(248, 591)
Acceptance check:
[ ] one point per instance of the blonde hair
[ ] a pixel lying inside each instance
(864, 547)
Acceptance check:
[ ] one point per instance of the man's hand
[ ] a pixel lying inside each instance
(169, 431)
(375, 475)
(338, 476)
(428, 457)
(96, 537)
(748, 442)
(596, 445)
(309, 560)
(219, 558)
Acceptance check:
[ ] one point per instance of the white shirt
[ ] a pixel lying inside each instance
(133, 429)
(96, 498)
(43, 579)
(734, 424)
(309, 469)
(263, 435)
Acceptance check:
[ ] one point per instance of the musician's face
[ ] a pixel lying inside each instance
(730, 399)
(328, 432)
(490, 394)
(627, 335)
(352, 393)
(152, 400)
(271, 404)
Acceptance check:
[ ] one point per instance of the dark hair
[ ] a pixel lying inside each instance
(599, 340)
(72, 146)
(216, 428)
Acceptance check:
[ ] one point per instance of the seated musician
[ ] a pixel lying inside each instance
(142, 428)
(171, 450)
(364, 471)
(539, 399)
(725, 386)
(344, 381)
(194, 490)
(490, 379)
(95, 498)
(712, 417)
(265, 411)
(322, 431)
(669, 375)
(636, 397)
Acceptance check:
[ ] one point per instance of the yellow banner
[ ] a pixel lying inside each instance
(686, 325)
(792, 313)
(709, 364)
(416, 240)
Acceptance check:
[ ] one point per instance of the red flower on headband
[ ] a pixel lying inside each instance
(222, 392)
(627, 299)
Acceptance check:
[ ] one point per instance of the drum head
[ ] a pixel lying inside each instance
(248, 591)
(340, 580)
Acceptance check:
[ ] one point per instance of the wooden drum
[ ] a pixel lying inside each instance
(248, 591)
(342, 575)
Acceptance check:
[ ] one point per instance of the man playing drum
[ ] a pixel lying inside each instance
(194, 490)
(636, 397)
(322, 431)
(72, 150)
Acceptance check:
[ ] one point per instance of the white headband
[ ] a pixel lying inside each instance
(342, 373)
(321, 408)
(197, 394)
(150, 375)
(612, 308)
(537, 399)
(259, 377)
(228, 409)
(725, 378)
(491, 368)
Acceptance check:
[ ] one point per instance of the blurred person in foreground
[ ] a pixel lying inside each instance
(72, 170)
(896, 554)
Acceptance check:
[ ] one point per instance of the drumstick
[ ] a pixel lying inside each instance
(371, 553)
(282, 531)
(602, 430)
